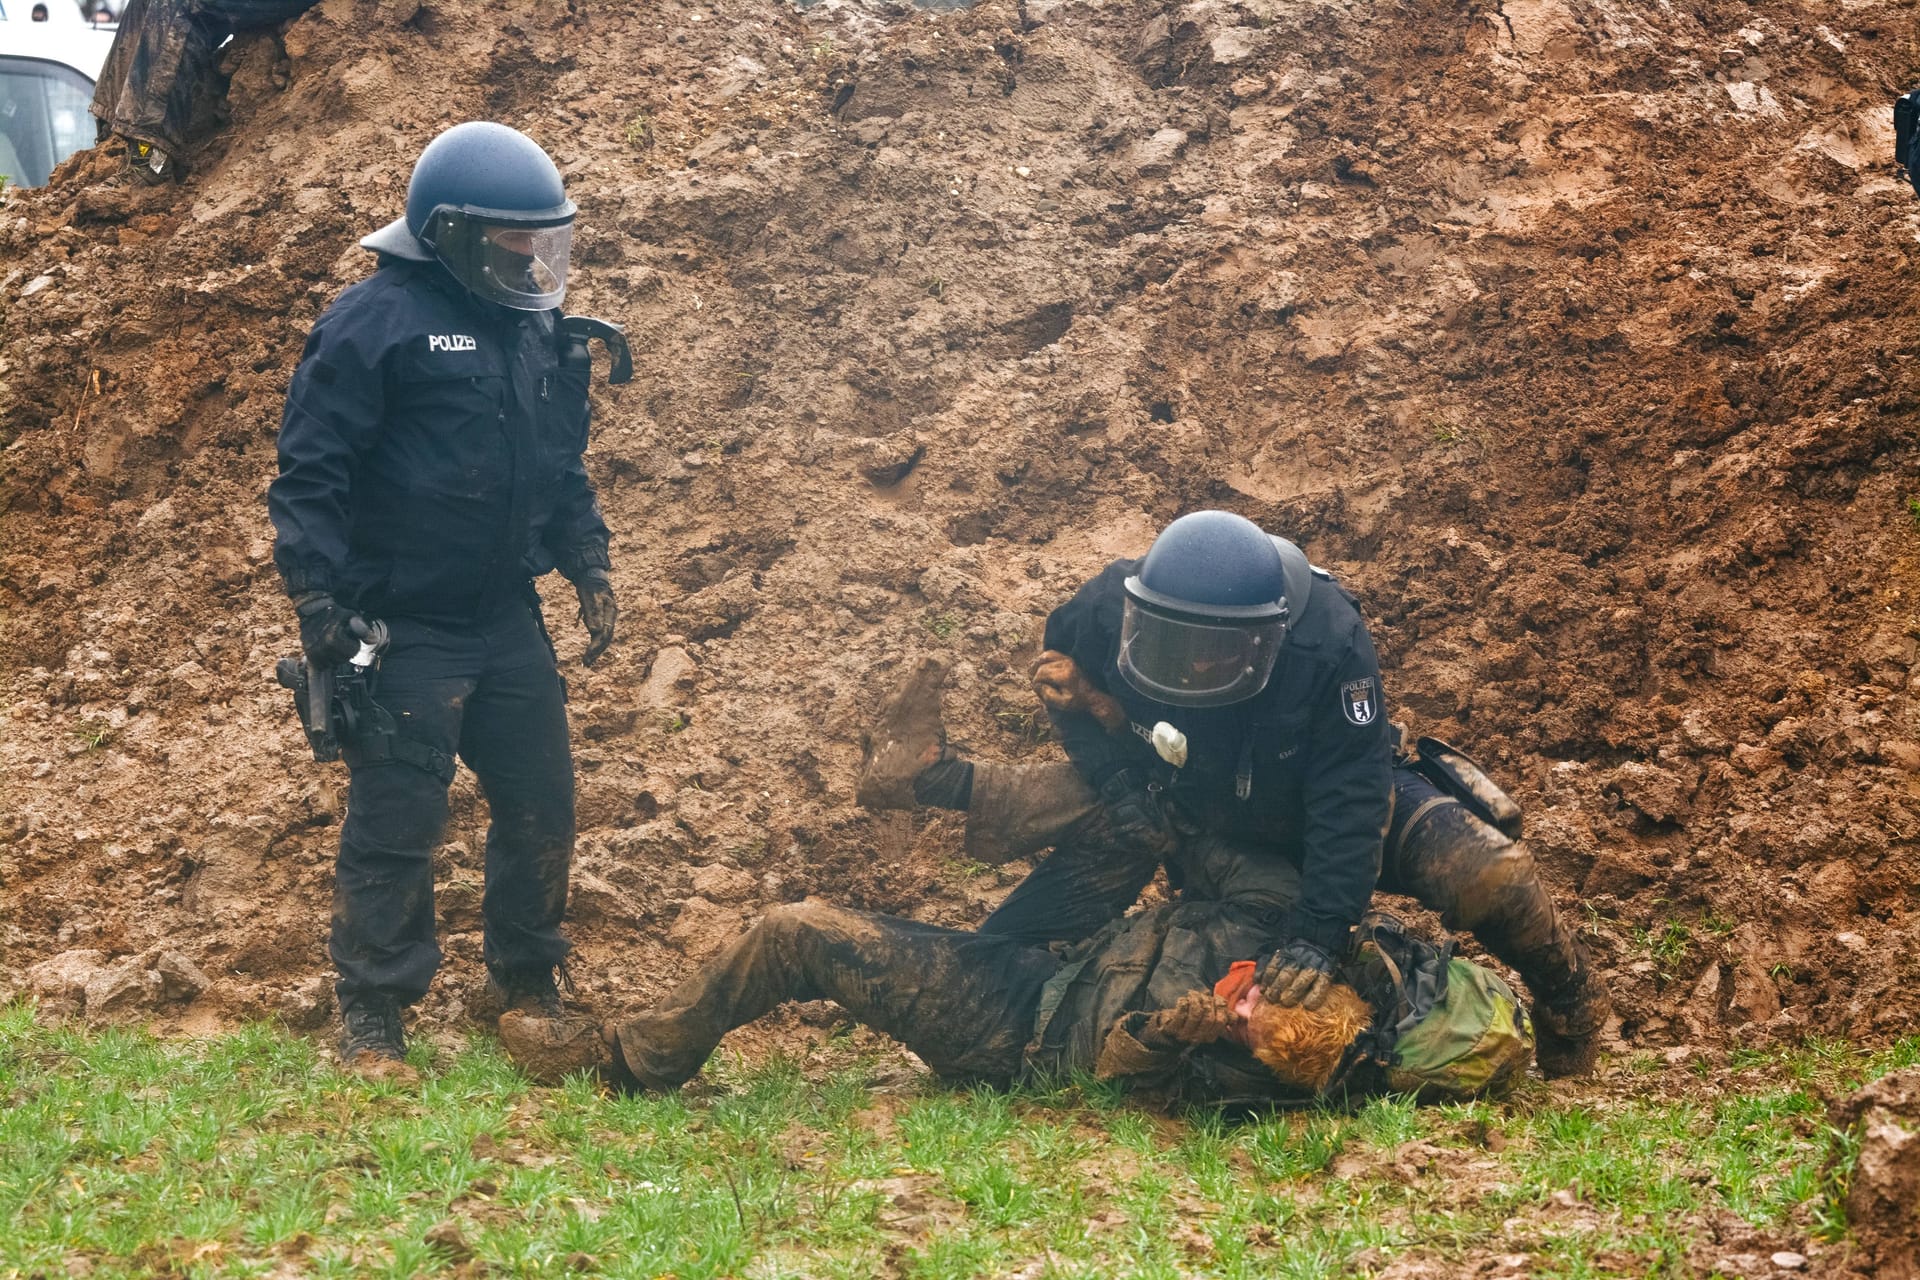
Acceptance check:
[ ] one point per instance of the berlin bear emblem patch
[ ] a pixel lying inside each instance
(1358, 701)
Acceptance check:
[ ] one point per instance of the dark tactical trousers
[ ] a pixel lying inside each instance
(964, 1002)
(160, 81)
(1436, 851)
(491, 694)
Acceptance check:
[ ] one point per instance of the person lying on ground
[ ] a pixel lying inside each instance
(1221, 708)
(1162, 1002)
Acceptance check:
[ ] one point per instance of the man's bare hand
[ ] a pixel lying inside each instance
(1199, 1017)
(1062, 686)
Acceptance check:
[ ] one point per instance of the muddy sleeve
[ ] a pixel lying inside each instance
(1127, 1057)
(1095, 752)
(1087, 629)
(577, 534)
(333, 412)
(1348, 799)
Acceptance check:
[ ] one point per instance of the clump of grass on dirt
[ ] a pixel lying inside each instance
(249, 1155)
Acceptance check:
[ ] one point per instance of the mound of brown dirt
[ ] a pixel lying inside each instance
(1883, 1190)
(1577, 338)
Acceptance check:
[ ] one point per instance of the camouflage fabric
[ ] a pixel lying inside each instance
(1477, 1040)
(1143, 963)
(963, 1002)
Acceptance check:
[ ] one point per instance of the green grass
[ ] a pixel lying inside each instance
(247, 1155)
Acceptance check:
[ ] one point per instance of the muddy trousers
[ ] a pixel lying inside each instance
(1436, 851)
(160, 81)
(964, 1002)
(490, 694)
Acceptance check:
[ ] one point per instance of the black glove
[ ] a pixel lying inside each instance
(597, 612)
(1136, 817)
(1300, 973)
(330, 633)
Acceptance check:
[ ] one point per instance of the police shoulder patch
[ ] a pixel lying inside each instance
(1360, 700)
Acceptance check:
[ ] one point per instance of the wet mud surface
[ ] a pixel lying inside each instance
(1577, 339)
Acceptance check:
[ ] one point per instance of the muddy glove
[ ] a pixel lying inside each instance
(329, 631)
(1136, 819)
(1300, 973)
(1062, 686)
(597, 612)
(1199, 1017)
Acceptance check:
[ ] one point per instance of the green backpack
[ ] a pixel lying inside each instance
(1445, 1029)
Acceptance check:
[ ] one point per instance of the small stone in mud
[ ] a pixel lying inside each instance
(448, 1236)
(180, 978)
(121, 989)
(1789, 1261)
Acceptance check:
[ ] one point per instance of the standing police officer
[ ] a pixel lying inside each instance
(1220, 702)
(430, 469)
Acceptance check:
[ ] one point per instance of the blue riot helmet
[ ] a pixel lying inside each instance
(1206, 613)
(488, 204)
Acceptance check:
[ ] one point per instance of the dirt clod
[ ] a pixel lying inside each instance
(1883, 1191)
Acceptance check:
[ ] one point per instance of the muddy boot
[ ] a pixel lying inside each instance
(908, 738)
(152, 165)
(1567, 1023)
(372, 1043)
(551, 1049)
(536, 992)
(1487, 885)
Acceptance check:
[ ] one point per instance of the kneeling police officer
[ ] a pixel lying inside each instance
(1221, 706)
(430, 470)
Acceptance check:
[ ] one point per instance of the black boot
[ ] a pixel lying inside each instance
(372, 1040)
(1485, 884)
(532, 991)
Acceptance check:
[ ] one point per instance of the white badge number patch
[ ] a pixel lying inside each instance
(1360, 701)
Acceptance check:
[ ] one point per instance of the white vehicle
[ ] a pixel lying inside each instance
(47, 71)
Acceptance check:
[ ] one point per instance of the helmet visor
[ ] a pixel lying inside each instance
(513, 264)
(1184, 663)
(525, 267)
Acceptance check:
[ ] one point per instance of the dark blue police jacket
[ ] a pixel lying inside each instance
(1304, 768)
(430, 453)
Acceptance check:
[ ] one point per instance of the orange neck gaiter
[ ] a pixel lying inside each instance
(1234, 985)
